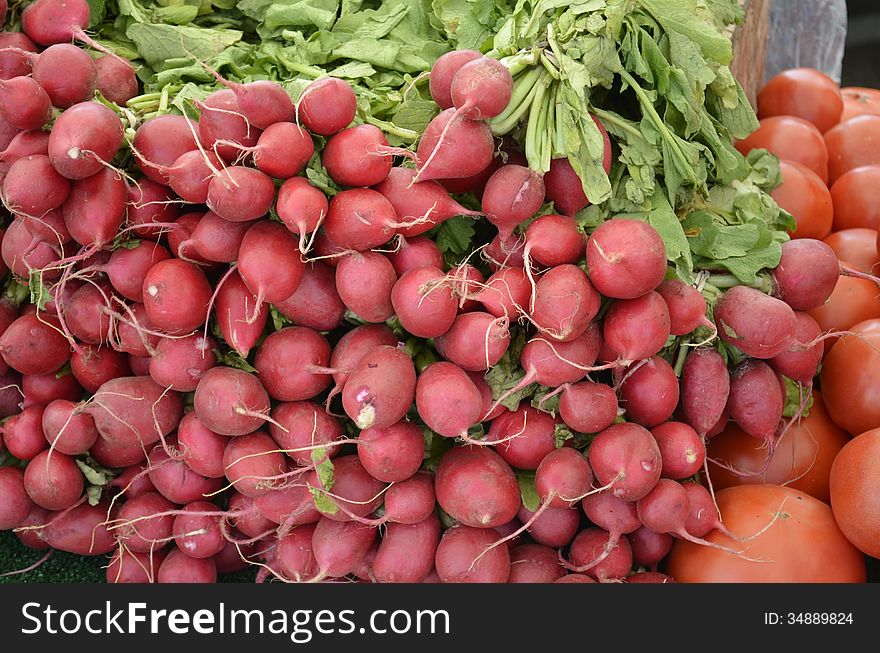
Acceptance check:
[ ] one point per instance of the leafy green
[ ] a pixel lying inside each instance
(507, 374)
(325, 471)
(530, 498)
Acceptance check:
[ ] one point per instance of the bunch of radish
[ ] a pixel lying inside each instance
(158, 415)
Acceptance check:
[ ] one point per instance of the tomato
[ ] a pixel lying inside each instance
(855, 491)
(856, 198)
(806, 197)
(805, 93)
(858, 247)
(851, 144)
(791, 139)
(849, 377)
(859, 101)
(802, 545)
(853, 301)
(801, 460)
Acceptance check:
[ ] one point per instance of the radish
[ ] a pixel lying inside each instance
(457, 555)
(625, 457)
(422, 300)
(360, 219)
(326, 106)
(234, 310)
(806, 274)
(116, 79)
(24, 104)
(216, 239)
(198, 535)
(150, 203)
(412, 500)
(252, 463)
(93, 366)
(299, 426)
(475, 342)
(649, 394)
(355, 492)
(230, 401)
(467, 280)
(22, 251)
(666, 509)
(86, 313)
(681, 449)
(17, 504)
(508, 293)
(705, 387)
(84, 139)
(32, 345)
(447, 400)
(592, 544)
(240, 194)
(25, 143)
(505, 253)
(179, 363)
(615, 517)
(759, 325)
(391, 454)
(15, 60)
(588, 407)
(282, 150)
(555, 527)
(423, 204)
(443, 72)
(32, 187)
(139, 529)
(365, 281)
(160, 142)
(352, 347)
(41, 390)
(223, 128)
(67, 74)
(512, 195)
(301, 207)
(414, 253)
(481, 88)
(686, 305)
(636, 329)
(263, 102)
(475, 486)
(564, 303)
(339, 547)
(292, 364)
(176, 296)
(23, 433)
(534, 563)
(564, 187)
(553, 240)
(648, 547)
(380, 389)
(289, 506)
(525, 436)
(294, 559)
(53, 483)
(453, 147)
(269, 262)
(406, 552)
(200, 448)
(92, 221)
(354, 156)
(81, 530)
(801, 361)
(625, 258)
(177, 567)
(756, 399)
(315, 303)
(562, 477)
(191, 173)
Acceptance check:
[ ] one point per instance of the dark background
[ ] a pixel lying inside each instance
(861, 66)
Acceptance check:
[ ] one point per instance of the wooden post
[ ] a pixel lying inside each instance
(750, 47)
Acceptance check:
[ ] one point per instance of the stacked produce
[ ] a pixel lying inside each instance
(410, 293)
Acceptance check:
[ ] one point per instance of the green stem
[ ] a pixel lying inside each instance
(547, 146)
(511, 121)
(293, 66)
(548, 65)
(614, 119)
(520, 61)
(521, 89)
(536, 124)
(681, 358)
(391, 128)
(724, 281)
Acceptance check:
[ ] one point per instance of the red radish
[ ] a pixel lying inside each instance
(453, 147)
(564, 187)
(526, 436)
(807, 273)
(681, 449)
(150, 203)
(636, 329)
(251, 462)
(443, 72)
(759, 325)
(139, 529)
(67, 74)
(508, 292)
(92, 222)
(391, 454)
(93, 366)
(191, 173)
(216, 239)
(406, 552)
(339, 547)
(648, 547)
(234, 309)
(86, 313)
(160, 142)
(703, 515)
(263, 102)
(481, 88)
(16, 503)
(53, 483)
(176, 296)
(687, 307)
(315, 303)
(475, 342)
(559, 363)
(326, 106)
(562, 477)
(84, 139)
(50, 228)
(592, 544)
(223, 128)
(269, 262)
(705, 387)
(282, 150)
(380, 389)
(289, 506)
(22, 252)
(32, 187)
(554, 527)
(467, 280)
(365, 281)
(184, 226)
(422, 299)
(240, 194)
(179, 363)
(649, 394)
(564, 303)
(292, 364)
(300, 425)
(475, 486)
(32, 345)
(201, 448)
(625, 258)
(460, 557)
(801, 361)
(116, 79)
(505, 253)
(756, 399)
(512, 195)
(421, 204)
(353, 346)
(588, 407)
(14, 58)
(198, 535)
(353, 489)
(553, 240)
(24, 104)
(81, 530)
(55, 21)
(666, 510)
(625, 457)
(132, 332)
(447, 400)
(301, 206)
(177, 567)
(230, 401)
(294, 559)
(25, 143)
(354, 156)
(41, 390)
(412, 500)
(417, 252)
(23, 433)
(360, 219)
(574, 578)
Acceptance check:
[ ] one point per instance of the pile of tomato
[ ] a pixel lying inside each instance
(820, 492)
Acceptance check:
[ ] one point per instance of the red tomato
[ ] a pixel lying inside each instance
(805, 93)
(849, 377)
(802, 545)
(853, 301)
(806, 197)
(792, 139)
(858, 247)
(859, 101)
(801, 460)
(855, 491)
(856, 198)
(851, 144)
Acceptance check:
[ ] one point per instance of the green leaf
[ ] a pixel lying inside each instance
(94, 473)
(684, 17)
(97, 10)
(561, 434)
(39, 294)
(454, 236)
(234, 359)
(670, 228)
(798, 399)
(527, 491)
(158, 43)
(550, 405)
(325, 471)
(278, 319)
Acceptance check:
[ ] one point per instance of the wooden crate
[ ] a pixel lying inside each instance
(750, 47)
